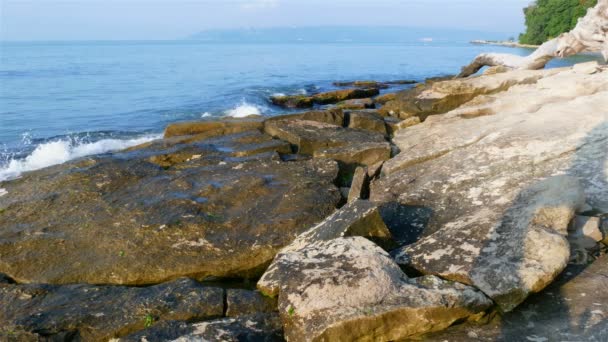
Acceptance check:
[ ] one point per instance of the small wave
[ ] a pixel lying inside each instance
(278, 95)
(60, 151)
(243, 110)
(206, 115)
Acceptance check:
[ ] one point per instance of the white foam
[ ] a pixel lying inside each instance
(206, 115)
(61, 151)
(243, 110)
(278, 95)
(3, 192)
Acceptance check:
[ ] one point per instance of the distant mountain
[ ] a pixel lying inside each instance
(342, 34)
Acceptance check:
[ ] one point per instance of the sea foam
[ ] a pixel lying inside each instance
(60, 151)
(243, 110)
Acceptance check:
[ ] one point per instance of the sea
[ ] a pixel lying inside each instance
(65, 100)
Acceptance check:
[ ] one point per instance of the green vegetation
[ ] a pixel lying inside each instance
(291, 311)
(547, 19)
(148, 321)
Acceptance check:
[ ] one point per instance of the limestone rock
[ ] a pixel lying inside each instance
(383, 99)
(292, 101)
(356, 104)
(241, 302)
(125, 219)
(209, 129)
(359, 188)
(258, 327)
(343, 95)
(395, 125)
(333, 116)
(366, 120)
(585, 232)
(362, 84)
(349, 289)
(99, 313)
(503, 186)
(359, 218)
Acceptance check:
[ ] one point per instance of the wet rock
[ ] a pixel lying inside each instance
(347, 146)
(349, 289)
(241, 302)
(292, 101)
(207, 213)
(359, 218)
(356, 104)
(334, 116)
(209, 129)
(383, 99)
(360, 185)
(259, 327)
(343, 95)
(362, 84)
(499, 216)
(99, 313)
(366, 120)
(440, 97)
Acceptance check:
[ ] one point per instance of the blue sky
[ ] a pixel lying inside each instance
(174, 19)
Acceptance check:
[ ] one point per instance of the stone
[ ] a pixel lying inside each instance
(336, 96)
(202, 212)
(100, 313)
(584, 232)
(366, 120)
(258, 327)
(395, 125)
(209, 129)
(334, 116)
(349, 289)
(501, 188)
(292, 101)
(242, 302)
(441, 97)
(359, 218)
(573, 308)
(383, 99)
(356, 104)
(359, 188)
(604, 229)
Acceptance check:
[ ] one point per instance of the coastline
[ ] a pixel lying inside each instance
(503, 43)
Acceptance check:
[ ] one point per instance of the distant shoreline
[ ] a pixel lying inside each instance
(504, 43)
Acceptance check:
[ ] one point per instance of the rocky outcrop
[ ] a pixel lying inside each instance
(99, 313)
(330, 97)
(503, 177)
(158, 213)
(368, 120)
(349, 289)
(357, 104)
(209, 129)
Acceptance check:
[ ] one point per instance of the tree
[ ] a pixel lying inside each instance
(547, 19)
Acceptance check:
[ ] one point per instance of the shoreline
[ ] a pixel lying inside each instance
(503, 43)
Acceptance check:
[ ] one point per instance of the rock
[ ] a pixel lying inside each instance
(292, 101)
(396, 125)
(362, 84)
(443, 96)
(499, 214)
(333, 116)
(343, 95)
(205, 213)
(349, 147)
(360, 185)
(99, 313)
(383, 99)
(366, 120)
(573, 308)
(373, 171)
(259, 327)
(585, 232)
(401, 82)
(356, 104)
(359, 218)
(241, 302)
(349, 289)
(209, 129)
(604, 229)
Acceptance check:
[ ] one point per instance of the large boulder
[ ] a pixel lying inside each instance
(368, 120)
(209, 129)
(99, 313)
(216, 208)
(503, 186)
(349, 289)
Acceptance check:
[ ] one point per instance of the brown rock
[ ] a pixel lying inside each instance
(346, 94)
(366, 120)
(362, 84)
(208, 129)
(383, 99)
(292, 101)
(356, 104)
(360, 185)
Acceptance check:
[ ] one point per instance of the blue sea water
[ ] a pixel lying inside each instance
(63, 100)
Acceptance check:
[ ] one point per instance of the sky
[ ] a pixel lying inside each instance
(178, 19)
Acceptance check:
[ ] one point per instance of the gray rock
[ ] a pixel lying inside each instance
(99, 313)
(349, 289)
(359, 188)
(359, 218)
(241, 302)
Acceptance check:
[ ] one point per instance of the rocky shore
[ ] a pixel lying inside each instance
(457, 210)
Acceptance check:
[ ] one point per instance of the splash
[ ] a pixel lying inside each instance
(243, 110)
(60, 151)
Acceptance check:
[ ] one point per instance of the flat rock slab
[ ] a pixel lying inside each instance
(99, 313)
(503, 186)
(259, 327)
(156, 213)
(368, 120)
(573, 308)
(349, 289)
